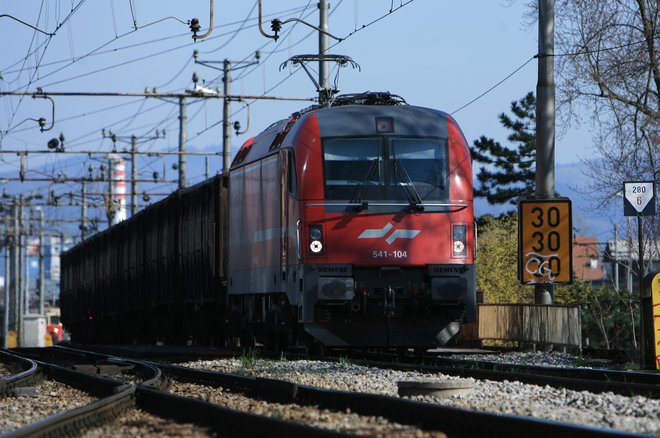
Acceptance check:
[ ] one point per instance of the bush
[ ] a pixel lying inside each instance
(609, 318)
(497, 261)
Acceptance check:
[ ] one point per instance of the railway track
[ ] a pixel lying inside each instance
(628, 383)
(145, 391)
(17, 372)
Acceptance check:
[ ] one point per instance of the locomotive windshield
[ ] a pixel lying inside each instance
(398, 169)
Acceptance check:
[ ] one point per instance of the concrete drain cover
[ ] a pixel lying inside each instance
(437, 388)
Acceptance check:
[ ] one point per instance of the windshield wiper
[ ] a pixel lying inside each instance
(358, 196)
(411, 190)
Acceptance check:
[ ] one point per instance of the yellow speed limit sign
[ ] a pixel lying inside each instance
(545, 244)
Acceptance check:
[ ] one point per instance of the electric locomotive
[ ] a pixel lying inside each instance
(355, 223)
(349, 225)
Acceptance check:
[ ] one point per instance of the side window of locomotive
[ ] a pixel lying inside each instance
(352, 167)
(422, 163)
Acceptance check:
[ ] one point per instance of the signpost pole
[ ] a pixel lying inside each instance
(639, 200)
(640, 278)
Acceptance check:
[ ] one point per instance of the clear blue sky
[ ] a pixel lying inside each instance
(439, 54)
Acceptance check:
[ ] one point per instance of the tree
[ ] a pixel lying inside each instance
(497, 261)
(609, 69)
(508, 173)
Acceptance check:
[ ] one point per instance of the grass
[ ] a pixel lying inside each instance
(249, 357)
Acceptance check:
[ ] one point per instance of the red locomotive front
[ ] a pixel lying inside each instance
(360, 218)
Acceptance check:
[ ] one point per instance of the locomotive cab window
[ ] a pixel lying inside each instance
(386, 169)
(419, 165)
(351, 163)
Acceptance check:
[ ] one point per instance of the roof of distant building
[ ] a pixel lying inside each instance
(625, 250)
(586, 259)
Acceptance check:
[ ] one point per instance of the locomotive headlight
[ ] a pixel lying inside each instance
(459, 240)
(316, 239)
(315, 246)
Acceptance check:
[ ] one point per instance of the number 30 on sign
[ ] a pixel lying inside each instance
(545, 245)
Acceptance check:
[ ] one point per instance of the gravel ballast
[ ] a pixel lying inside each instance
(633, 414)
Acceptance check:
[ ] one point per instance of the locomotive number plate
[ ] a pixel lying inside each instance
(390, 255)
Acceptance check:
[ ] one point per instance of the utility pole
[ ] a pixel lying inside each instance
(226, 111)
(545, 121)
(42, 268)
(182, 142)
(324, 89)
(227, 67)
(8, 279)
(133, 175)
(21, 274)
(17, 270)
(110, 208)
(83, 212)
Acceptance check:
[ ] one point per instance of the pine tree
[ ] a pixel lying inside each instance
(508, 173)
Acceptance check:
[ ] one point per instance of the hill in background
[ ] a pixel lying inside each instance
(589, 219)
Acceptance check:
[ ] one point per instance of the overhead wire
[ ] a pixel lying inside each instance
(266, 91)
(507, 77)
(87, 113)
(247, 72)
(130, 3)
(494, 86)
(103, 69)
(25, 60)
(199, 133)
(365, 26)
(96, 52)
(599, 50)
(73, 10)
(270, 88)
(169, 50)
(29, 52)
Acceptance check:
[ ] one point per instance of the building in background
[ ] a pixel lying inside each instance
(53, 247)
(621, 259)
(587, 263)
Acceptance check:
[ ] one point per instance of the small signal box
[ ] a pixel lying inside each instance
(545, 243)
